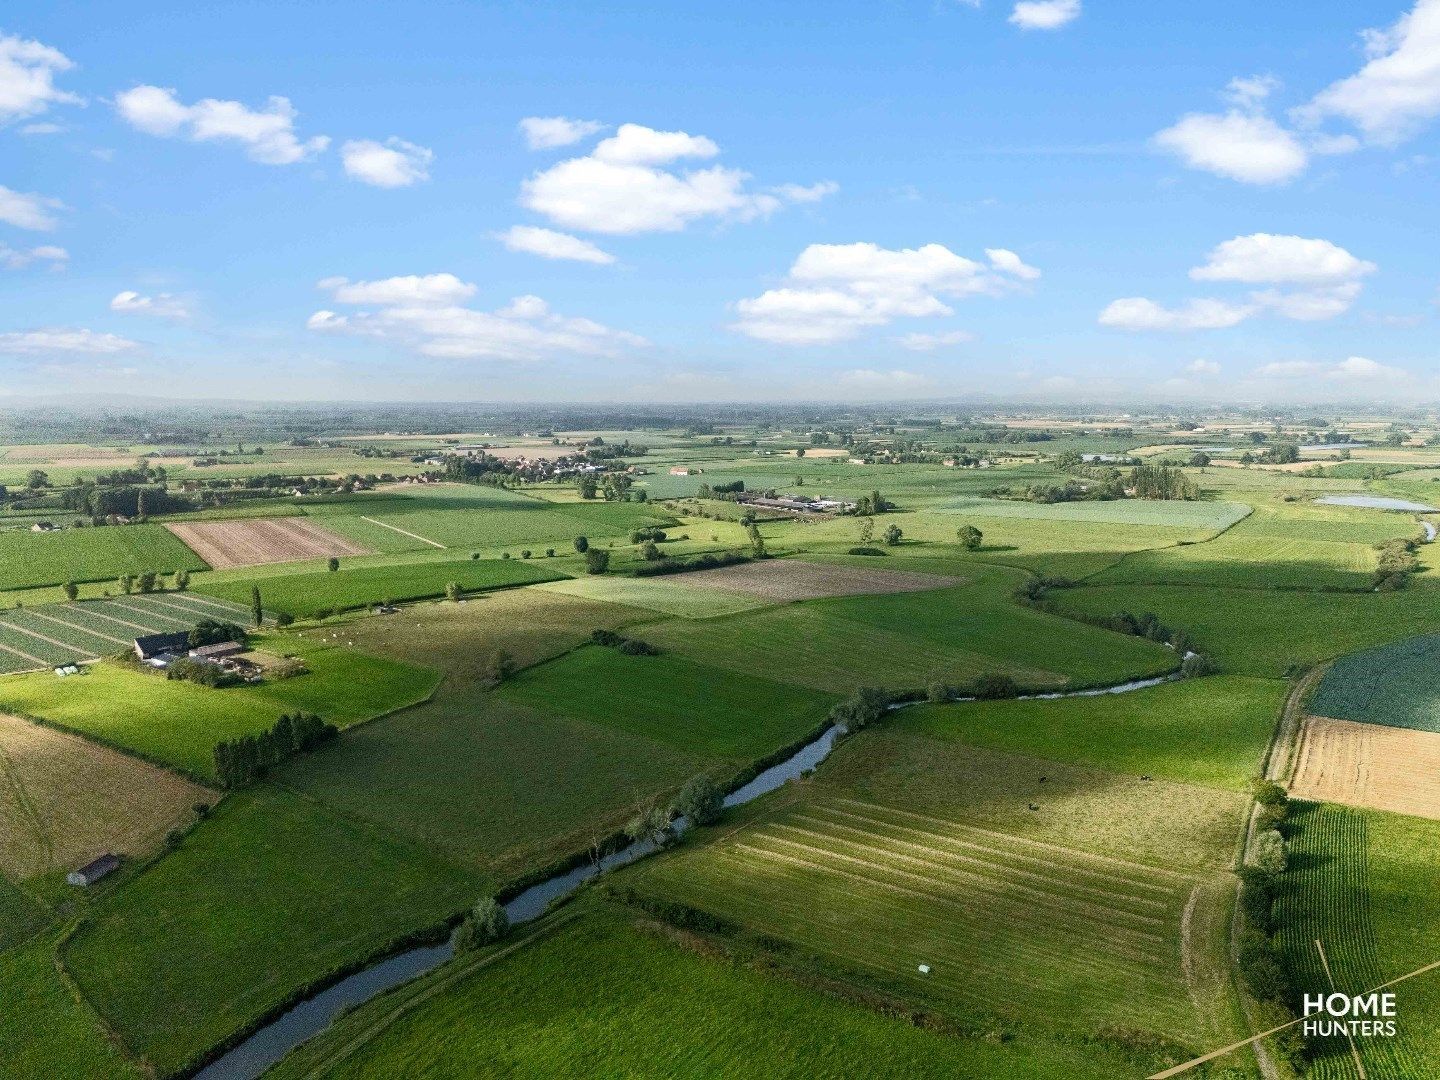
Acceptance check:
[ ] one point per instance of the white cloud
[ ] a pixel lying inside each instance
(41, 129)
(27, 78)
(1245, 146)
(19, 258)
(161, 306)
(1044, 14)
(1008, 262)
(548, 132)
(621, 187)
(63, 340)
(835, 291)
(1248, 91)
(391, 164)
(1398, 89)
(1326, 276)
(28, 211)
(1271, 259)
(423, 314)
(549, 244)
(1138, 313)
(917, 342)
(412, 289)
(1203, 367)
(881, 381)
(267, 134)
(1357, 369)
(800, 193)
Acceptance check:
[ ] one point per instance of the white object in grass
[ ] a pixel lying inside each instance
(924, 969)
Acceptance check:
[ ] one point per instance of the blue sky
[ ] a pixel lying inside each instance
(889, 199)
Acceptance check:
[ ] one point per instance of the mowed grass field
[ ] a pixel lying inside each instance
(1032, 932)
(1244, 560)
(1210, 731)
(670, 699)
(1264, 632)
(903, 641)
(1362, 882)
(1396, 684)
(269, 893)
(656, 595)
(178, 723)
(65, 800)
(28, 559)
(669, 1009)
(310, 593)
(1193, 515)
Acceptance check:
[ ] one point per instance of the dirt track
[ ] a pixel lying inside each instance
(253, 541)
(1369, 765)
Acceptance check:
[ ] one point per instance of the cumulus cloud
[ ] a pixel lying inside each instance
(267, 134)
(917, 342)
(19, 258)
(1044, 14)
(1240, 145)
(1009, 263)
(835, 291)
(423, 313)
(28, 211)
(800, 193)
(62, 340)
(1398, 89)
(391, 164)
(161, 305)
(623, 187)
(1203, 367)
(548, 132)
(27, 78)
(1324, 281)
(549, 244)
(1357, 369)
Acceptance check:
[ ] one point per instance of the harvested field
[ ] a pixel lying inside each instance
(1369, 765)
(252, 542)
(65, 800)
(781, 580)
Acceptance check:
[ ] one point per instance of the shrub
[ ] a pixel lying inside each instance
(650, 552)
(867, 551)
(1270, 853)
(582, 544)
(596, 561)
(861, 709)
(1195, 665)
(993, 687)
(527, 553)
(939, 692)
(700, 800)
(452, 590)
(284, 618)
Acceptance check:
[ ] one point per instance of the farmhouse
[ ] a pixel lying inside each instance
(217, 651)
(92, 872)
(150, 647)
(680, 470)
(43, 526)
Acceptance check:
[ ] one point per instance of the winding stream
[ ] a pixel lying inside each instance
(270, 1043)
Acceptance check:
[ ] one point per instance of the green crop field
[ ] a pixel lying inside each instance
(1238, 560)
(1397, 684)
(269, 893)
(906, 640)
(1197, 731)
(668, 1011)
(1264, 632)
(313, 592)
(657, 595)
(1362, 883)
(1031, 932)
(29, 559)
(1190, 515)
(178, 723)
(488, 785)
(670, 699)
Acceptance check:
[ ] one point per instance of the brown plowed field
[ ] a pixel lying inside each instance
(65, 800)
(252, 541)
(1369, 765)
(790, 579)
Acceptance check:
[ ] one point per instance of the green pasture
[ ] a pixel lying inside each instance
(668, 1010)
(1238, 560)
(1265, 632)
(90, 554)
(673, 700)
(310, 593)
(662, 595)
(1396, 684)
(270, 893)
(1189, 515)
(1197, 731)
(178, 723)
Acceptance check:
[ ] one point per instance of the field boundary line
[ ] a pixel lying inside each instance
(225, 606)
(1354, 1050)
(50, 640)
(405, 532)
(111, 1033)
(26, 656)
(72, 626)
(123, 622)
(180, 608)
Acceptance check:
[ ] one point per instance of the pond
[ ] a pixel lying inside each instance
(1377, 502)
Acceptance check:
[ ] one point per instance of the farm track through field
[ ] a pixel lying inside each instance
(406, 532)
(27, 806)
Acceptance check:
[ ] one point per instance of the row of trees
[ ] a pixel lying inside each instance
(241, 762)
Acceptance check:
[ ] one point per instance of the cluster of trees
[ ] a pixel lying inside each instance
(619, 642)
(720, 491)
(131, 501)
(1162, 482)
(991, 686)
(874, 503)
(214, 632)
(1395, 561)
(708, 561)
(241, 762)
(639, 536)
(861, 709)
(484, 924)
(202, 672)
